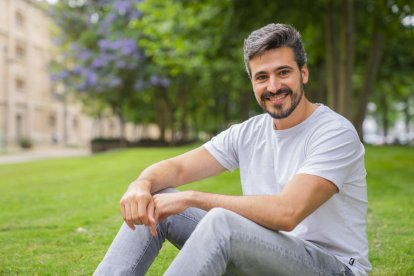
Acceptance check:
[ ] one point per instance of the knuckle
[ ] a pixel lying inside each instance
(141, 217)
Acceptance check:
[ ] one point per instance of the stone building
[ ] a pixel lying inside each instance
(31, 106)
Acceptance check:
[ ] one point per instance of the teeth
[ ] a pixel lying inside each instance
(274, 97)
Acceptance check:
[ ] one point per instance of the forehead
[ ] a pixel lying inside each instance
(272, 59)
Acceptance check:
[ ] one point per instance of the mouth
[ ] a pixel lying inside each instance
(278, 97)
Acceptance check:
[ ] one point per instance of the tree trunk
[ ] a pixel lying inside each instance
(161, 110)
(407, 114)
(226, 108)
(122, 123)
(331, 55)
(244, 106)
(346, 56)
(371, 70)
(384, 117)
(184, 129)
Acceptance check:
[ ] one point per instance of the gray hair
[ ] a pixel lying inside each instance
(273, 36)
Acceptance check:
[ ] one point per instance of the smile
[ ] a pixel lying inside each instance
(277, 98)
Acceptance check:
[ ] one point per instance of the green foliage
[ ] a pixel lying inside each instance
(60, 216)
(26, 143)
(191, 75)
(187, 73)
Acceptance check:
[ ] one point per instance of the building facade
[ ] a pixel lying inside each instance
(32, 107)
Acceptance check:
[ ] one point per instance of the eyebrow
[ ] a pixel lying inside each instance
(277, 69)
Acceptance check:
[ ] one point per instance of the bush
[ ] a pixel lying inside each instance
(103, 144)
(26, 143)
(100, 144)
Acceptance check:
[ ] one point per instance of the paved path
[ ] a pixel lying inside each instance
(39, 154)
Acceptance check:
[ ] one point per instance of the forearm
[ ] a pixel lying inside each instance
(268, 211)
(191, 166)
(157, 177)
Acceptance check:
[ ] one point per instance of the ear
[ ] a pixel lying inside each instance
(305, 73)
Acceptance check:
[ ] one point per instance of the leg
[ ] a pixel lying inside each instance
(227, 243)
(132, 252)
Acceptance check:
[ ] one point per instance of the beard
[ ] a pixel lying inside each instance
(277, 111)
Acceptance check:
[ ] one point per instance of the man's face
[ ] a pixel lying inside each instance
(278, 81)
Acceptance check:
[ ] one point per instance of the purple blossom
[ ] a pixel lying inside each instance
(100, 62)
(120, 64)
(122, 6)
(59, 75)
(165, 82)
(159, 81)
(77, 70)
(139, 85)
(58, 40)
(84, 55)
(129, 47)
(74, 47)
(110, 18)
(113, 81)
(134, 14)
(91, 79)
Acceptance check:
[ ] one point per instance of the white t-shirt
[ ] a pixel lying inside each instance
(325, 144)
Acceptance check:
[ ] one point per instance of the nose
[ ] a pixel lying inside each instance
(274, 84)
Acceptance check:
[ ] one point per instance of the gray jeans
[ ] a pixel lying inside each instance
(222, 243)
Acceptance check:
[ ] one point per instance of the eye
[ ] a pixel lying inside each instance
(284, 73)
(261, 77)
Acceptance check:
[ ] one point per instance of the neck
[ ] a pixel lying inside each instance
(304, 109)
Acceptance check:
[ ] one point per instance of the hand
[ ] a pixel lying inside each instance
(137, 207)
(170, 204)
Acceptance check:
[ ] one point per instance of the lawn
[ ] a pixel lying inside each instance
(59, 216)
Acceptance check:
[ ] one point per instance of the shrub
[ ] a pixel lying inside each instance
(26, 143)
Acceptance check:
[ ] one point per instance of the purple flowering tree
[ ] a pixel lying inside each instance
(100, 57)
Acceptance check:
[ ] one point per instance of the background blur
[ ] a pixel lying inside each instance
(123, 72)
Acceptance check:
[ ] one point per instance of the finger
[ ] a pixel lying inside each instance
(142, 212)
(151, 219)
(123, 212)
(134, 213)
(128, 217)
(124, 216)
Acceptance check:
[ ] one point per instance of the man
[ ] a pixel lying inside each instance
(303, 211)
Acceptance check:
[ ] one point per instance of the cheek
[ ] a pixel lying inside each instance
(257, 93)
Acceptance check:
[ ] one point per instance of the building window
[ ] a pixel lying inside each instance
(52, 121)
(20, 85)
(75, 123)
(20, 52)
(19, 19)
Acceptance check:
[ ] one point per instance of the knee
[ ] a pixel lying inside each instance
(218, 220)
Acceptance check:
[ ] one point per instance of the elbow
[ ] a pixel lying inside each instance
(289, 222)
(288, 226)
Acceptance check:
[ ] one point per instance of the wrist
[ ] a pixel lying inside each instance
(191, 198)
(142, 184)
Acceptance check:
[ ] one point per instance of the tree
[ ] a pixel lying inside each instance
(101, 58)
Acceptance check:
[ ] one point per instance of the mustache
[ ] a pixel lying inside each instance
(268, 94)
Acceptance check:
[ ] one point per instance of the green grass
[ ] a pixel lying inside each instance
(58, 217)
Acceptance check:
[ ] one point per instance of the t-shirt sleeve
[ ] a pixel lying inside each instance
(223, 147)
(337, 156)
